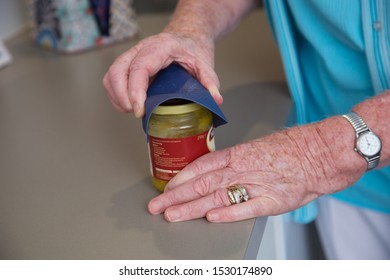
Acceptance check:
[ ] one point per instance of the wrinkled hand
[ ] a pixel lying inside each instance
(128, 78)
(279, 175)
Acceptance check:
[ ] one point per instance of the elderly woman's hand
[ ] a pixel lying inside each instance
(280, 172)
(188, 39)
(128, 78)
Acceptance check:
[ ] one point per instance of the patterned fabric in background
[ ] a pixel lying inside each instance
(120, 11)
(76, 25)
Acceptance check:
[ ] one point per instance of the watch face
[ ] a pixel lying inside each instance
(368, 144)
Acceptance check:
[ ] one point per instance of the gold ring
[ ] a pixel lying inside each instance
(237, 194)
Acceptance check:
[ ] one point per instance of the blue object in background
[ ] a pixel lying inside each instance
(174, 82)
(101, 10)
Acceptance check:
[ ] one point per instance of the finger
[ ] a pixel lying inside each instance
(116, 80)
(110, 94)
(118, 108)
(197, 208)
(254, 207)
(138, 83)
(193, 189)
(214, 91)
(209, 79)
(205, 164)
(206, 76)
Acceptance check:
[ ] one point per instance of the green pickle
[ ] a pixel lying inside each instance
(174, 119)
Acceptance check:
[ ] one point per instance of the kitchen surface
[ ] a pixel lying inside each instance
(74, 173)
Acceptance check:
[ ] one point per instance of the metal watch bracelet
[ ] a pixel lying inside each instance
(360, 128)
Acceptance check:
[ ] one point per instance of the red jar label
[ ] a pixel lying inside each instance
(170, 155)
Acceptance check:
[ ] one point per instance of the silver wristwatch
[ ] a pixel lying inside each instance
(367, 144)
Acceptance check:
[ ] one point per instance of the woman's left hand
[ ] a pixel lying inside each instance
(281, 172)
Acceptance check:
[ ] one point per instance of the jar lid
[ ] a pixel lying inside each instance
(176, 107)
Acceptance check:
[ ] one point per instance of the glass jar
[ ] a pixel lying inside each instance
(179, 131)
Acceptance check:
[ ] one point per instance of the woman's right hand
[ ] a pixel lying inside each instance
(128, 78)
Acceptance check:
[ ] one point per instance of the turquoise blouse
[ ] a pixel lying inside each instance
(336, 53)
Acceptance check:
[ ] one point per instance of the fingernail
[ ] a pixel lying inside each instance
(212, 217)
(155, 207)
(127, 106)
(172, 215)
(216, 94)
(137, 110)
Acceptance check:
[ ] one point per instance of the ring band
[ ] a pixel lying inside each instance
(237, 194)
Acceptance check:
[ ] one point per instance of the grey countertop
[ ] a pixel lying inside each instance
(74, 181)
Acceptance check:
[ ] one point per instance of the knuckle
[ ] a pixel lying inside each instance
(198, 165)
(255, 209)
(137, 65)
(220, 198)
(202, 186)
(171, 199)
(229, 156)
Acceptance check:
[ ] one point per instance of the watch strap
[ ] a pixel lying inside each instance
(361, 127)
(373, 162)
(358, 124)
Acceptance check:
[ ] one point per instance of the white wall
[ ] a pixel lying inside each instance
(13, 17)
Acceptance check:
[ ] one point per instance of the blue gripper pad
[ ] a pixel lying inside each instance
(175, 82)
